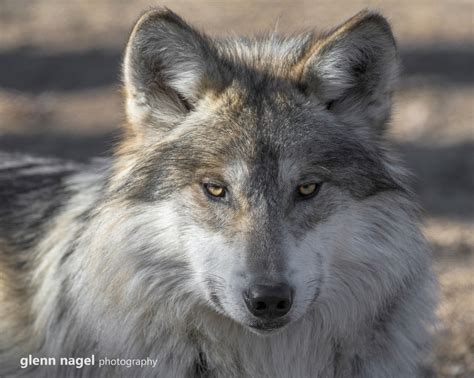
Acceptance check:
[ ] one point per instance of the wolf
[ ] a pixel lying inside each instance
(252, 222)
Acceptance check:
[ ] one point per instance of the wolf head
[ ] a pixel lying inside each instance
(263, 162)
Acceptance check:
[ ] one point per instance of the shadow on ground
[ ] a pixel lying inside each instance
(34, 71)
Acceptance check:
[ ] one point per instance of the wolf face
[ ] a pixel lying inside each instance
(266, 151)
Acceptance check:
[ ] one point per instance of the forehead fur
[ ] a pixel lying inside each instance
(269, 54)
(265, 130)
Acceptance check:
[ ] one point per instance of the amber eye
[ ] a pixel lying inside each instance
(308, 190)
(214, 190)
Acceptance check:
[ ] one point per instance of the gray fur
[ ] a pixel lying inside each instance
(129, 258)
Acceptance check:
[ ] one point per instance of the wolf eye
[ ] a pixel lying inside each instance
(214, 190)
(308, 190)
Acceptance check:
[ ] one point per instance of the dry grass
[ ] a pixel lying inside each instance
(453, 246)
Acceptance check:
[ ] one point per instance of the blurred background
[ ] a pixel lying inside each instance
(60, 95)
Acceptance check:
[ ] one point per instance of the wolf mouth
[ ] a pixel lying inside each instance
(268, 327)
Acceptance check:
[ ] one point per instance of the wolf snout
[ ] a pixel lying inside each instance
(269, 301)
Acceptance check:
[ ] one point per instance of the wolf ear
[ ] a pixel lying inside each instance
(168, 67)
(353, 70)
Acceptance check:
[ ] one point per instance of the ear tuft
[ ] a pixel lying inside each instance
(354, 69)
(168, 67)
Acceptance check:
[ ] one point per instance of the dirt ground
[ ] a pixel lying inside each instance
(60, 95)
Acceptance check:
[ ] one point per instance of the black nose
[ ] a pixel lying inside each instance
(268, 301)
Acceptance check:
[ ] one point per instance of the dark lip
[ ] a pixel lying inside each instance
(268, 327)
